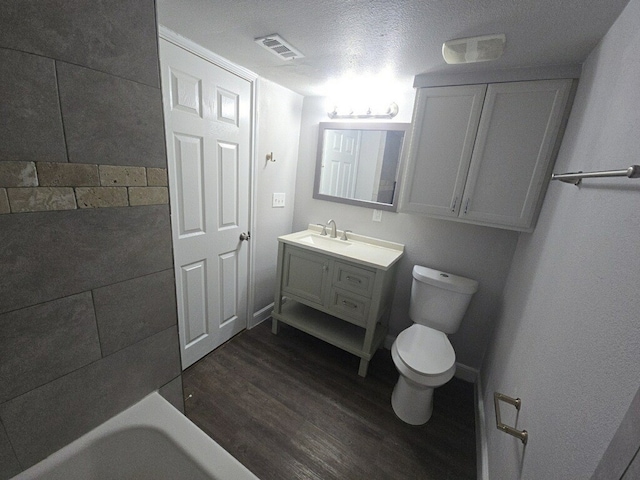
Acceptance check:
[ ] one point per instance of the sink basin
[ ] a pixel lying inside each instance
(367, 251)
(325, 242)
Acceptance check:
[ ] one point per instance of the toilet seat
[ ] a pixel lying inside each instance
(426, 355)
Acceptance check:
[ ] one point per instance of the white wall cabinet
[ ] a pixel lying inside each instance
(483, 153)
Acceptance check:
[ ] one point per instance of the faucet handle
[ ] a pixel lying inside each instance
(344, 234)
(324, 229)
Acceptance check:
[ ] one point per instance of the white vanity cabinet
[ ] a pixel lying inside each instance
(342, 301)
(483, 153)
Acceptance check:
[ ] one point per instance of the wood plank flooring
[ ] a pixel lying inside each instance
(289, 406)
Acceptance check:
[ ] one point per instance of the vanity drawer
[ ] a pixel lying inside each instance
(354, 279)
(349, 307)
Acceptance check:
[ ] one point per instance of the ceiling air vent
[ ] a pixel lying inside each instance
(278, 46)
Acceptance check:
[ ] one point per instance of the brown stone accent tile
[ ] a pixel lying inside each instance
(100, 197)
(39, 199)
(148, 196)
(67, 174)
(18, 174)
(4, 201)
(112, 176)
(157, 177)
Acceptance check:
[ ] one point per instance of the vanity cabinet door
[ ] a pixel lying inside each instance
(305, 276)
(444, 130)
(513, 151)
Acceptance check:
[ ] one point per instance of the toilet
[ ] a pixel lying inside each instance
(422, 353)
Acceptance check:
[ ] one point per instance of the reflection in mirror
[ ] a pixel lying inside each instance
(358, 163)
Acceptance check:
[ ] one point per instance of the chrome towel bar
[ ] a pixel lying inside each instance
(576, 178)
(516, 402)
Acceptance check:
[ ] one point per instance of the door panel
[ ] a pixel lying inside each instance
(208, 130)
(189, 164)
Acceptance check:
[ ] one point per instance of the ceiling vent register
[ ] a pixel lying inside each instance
(278, 46)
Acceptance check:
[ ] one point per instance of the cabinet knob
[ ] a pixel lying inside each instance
(466, 207)
(455, 202)
(325, 267)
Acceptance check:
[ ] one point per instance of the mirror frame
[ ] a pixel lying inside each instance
(388, 126)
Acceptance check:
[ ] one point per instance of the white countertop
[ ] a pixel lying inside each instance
(368, 251)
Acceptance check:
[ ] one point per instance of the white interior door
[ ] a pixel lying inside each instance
(208, 130)
(341, 149)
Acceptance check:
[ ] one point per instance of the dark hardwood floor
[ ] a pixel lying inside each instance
(293, 407)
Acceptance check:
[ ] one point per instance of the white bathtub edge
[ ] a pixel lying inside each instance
(154, 411)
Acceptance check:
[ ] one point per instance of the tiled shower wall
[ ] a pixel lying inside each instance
(87, 299)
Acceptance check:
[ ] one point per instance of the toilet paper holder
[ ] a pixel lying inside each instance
(516, 402)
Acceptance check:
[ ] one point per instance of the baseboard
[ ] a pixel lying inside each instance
(463, 372)
(482, 449)
(260, 316)
(466, 373)
(388, 341)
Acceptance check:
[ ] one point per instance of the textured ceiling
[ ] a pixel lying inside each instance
(401, 37)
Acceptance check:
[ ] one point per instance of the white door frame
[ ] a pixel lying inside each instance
(251, 77)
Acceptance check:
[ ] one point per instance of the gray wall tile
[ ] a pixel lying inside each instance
(9, 465)
(30, 121)
(114, 37)
(4, 201)
(49, 417)
(130, 311)
(47, 341)
(18, 174)
(53, 254)
(67, 175)
(172, 393)
(40, 199)
(109, 120)
(102, 197)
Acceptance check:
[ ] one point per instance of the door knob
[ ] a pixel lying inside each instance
(245, 236)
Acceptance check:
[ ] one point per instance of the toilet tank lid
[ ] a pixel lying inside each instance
(444, 280)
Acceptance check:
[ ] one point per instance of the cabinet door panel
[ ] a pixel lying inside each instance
(517, 132)
(305, 275)
(444, 130)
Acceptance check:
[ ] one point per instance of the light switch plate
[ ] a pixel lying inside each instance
(377, 215)
(277, 200)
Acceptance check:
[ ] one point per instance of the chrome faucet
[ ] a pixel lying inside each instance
(333, 228)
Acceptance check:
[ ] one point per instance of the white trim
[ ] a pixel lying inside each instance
(497, 76)
(482, 448)
(199, 50)
(251, 77)
(388, 341)
(261, 315)
(466, 373)
(251, 274)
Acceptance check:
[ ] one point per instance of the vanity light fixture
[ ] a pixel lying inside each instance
(279, 47)
(368, 112)
(474, 49)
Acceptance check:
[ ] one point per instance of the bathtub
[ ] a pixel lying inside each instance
(150, 440)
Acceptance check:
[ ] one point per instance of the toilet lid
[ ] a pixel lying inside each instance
(425, 350)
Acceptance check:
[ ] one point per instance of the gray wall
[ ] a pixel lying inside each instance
(278, 122)
(480, 253)
(568, 339)
(87, 302)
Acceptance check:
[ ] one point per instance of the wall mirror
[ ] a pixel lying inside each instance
(359, 163)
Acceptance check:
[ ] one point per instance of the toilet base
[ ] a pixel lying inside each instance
(412, 403)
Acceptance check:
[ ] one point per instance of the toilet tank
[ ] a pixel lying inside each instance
(438, 299)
